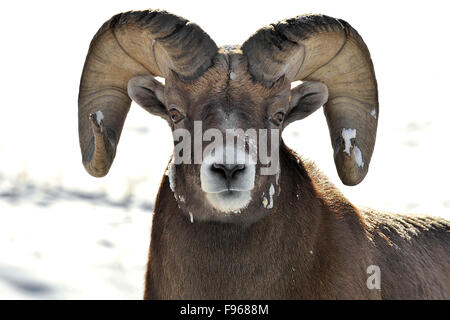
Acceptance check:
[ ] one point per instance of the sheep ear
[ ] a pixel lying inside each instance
(305, 99)
(148, 92)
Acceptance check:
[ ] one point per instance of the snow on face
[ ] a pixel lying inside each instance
(268, 204)
(170, 172)
(277, 180)
(271, 193)
(265, 202)
(277, 177)
(347, 135)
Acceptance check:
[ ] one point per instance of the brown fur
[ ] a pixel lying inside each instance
(313, 243)
(315, 247)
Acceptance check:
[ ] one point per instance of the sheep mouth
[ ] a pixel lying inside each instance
(230, 193)
(227, 191)
(229, 200)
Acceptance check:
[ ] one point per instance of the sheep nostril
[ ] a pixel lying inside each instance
(227, 170)
(237, 168)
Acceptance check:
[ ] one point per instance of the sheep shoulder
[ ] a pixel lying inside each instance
(412, 250)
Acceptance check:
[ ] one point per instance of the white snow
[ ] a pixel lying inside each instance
(72, 249)
(265, 202)
(358, 157)
(268, 204)
(191, 217)
(99, 117)
(347, 135)
(233, 75)
(271, 193)
(170, 172)
(373, 113)
(277, 180)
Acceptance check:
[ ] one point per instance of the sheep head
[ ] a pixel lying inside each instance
(209, 91)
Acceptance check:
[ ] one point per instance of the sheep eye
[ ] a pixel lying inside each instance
(175, 115)
(277, 118)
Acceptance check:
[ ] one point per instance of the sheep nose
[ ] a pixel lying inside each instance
(227, 170)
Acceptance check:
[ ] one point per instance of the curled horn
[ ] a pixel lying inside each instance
(329, 50)
(131, 44)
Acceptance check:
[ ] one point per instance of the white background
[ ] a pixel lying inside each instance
(58, 244)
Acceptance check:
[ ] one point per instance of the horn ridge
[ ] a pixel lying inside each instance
(329, 50)
(130, 44)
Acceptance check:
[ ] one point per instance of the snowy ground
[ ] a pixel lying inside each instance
(64, 234)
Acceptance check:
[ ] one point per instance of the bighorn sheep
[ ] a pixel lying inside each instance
(288, 235)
